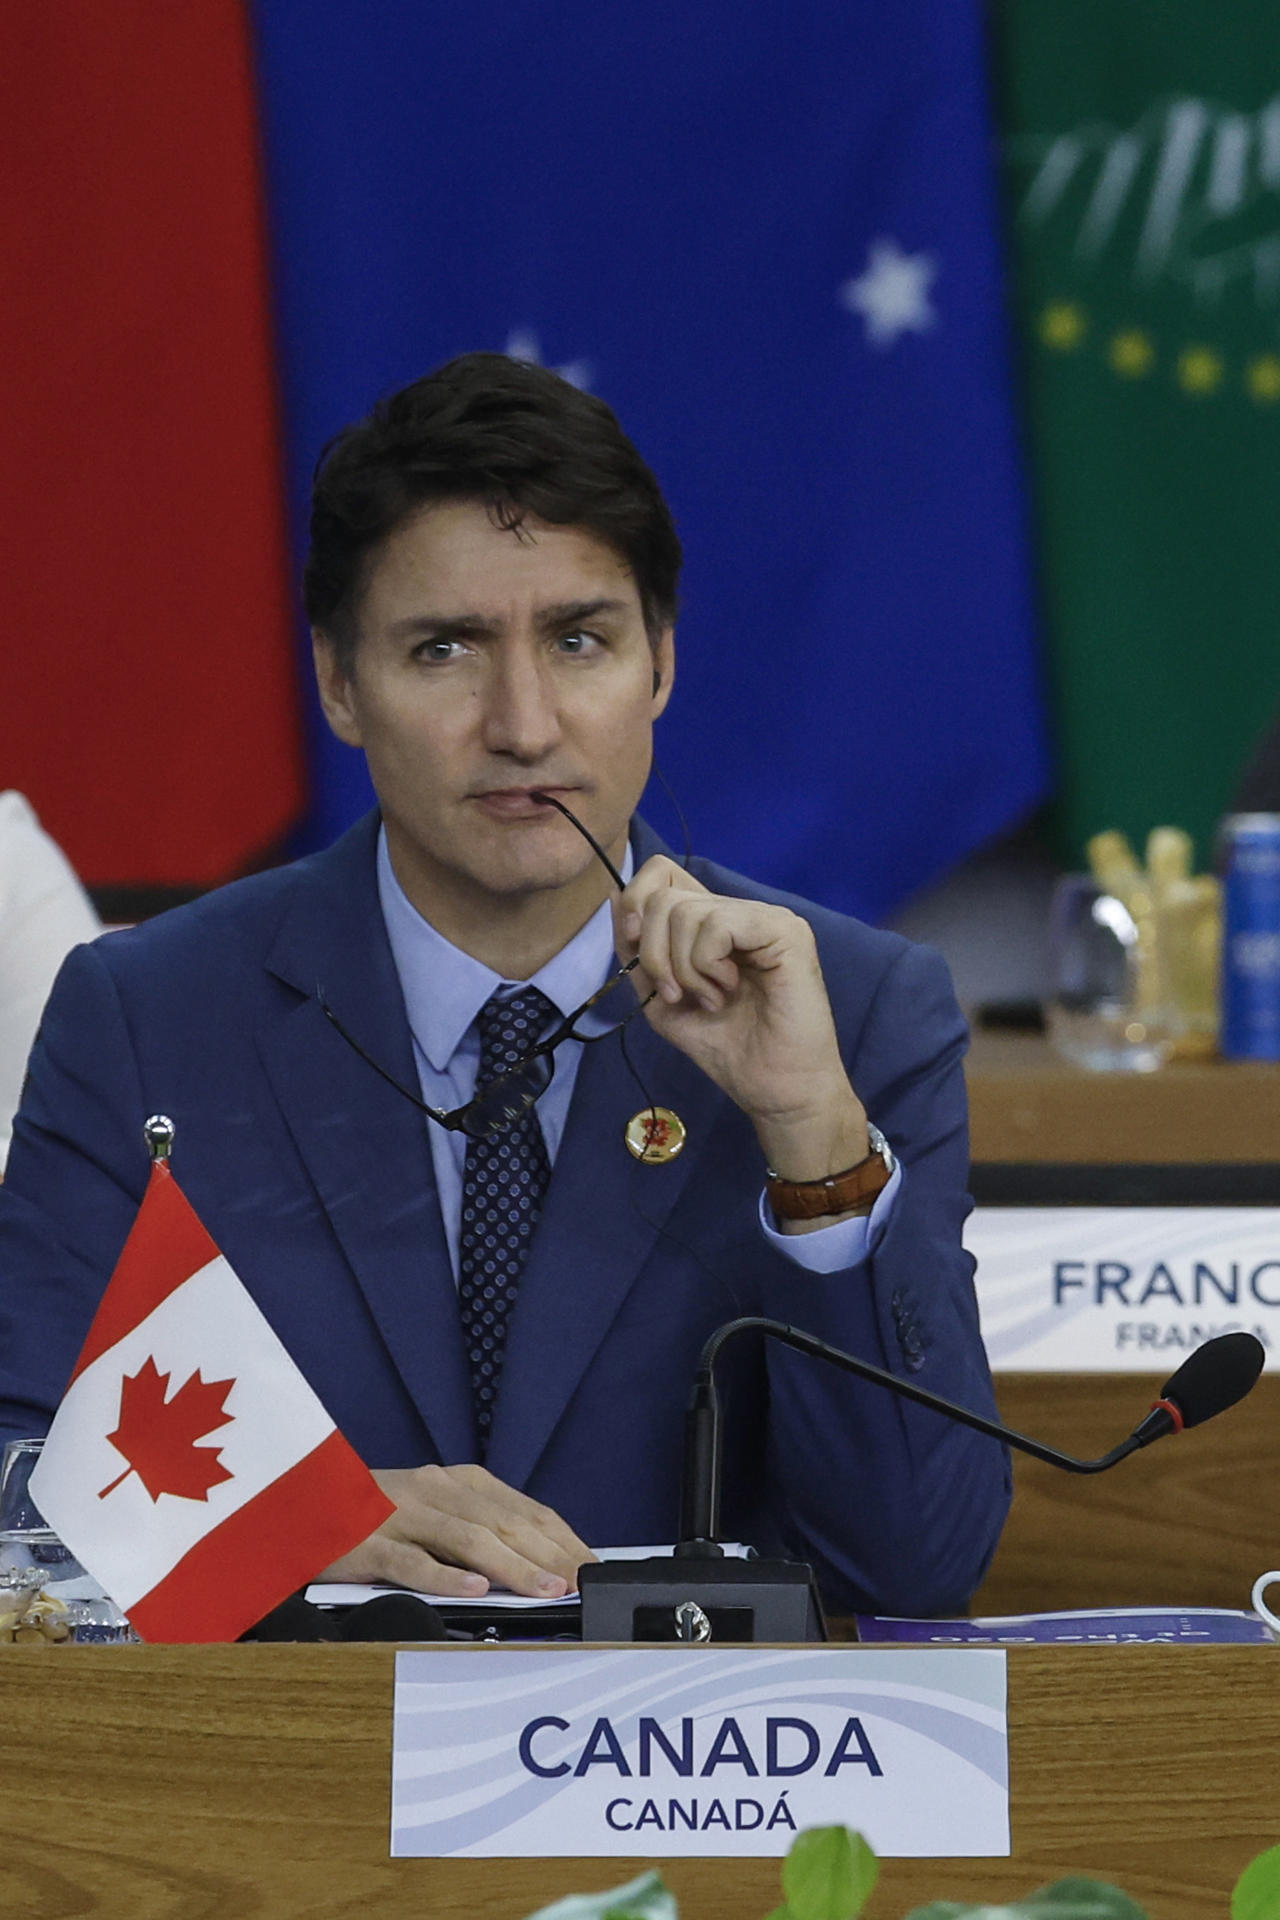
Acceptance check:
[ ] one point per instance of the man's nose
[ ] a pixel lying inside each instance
(521, 715)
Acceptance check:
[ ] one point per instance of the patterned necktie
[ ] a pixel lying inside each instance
(503, 1186)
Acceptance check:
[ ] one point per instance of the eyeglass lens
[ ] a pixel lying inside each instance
(507, 1099)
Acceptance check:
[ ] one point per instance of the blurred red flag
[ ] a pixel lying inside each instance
(149, 705)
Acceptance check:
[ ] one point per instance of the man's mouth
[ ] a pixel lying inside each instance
(518, 803)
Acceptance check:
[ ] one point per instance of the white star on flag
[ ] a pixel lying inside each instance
(892, 293)
(524, 344)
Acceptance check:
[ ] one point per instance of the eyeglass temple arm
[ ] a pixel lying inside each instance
(549, 800)
(449, 1120)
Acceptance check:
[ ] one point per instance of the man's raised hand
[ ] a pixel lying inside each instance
(738, 987)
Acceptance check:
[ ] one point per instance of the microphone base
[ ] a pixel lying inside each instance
(741, 1600)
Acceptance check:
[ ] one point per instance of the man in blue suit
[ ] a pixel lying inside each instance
(501, 1303)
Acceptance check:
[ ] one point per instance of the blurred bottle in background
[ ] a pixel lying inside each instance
(1250, 860)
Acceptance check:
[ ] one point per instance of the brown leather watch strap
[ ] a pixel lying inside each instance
(838, 1193)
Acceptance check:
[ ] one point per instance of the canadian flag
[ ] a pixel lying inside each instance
(190, 1468)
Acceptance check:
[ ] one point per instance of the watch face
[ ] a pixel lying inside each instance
(880, 1145)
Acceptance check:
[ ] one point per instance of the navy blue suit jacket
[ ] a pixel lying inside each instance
(316, 1180)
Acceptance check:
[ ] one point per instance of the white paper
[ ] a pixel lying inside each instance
(336, 1594)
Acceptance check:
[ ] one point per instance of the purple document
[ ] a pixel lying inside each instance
(1088, 1627)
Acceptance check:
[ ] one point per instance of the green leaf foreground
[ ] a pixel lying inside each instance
(1257, 1891)
(1073, 1899)
(644, 1899)
(830, 1872)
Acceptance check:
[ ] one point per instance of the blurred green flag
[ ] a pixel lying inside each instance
(1143, 157)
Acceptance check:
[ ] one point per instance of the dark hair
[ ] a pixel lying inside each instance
(513, 436)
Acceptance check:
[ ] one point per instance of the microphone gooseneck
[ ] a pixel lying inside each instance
(1209, 1381)
(700, 1492)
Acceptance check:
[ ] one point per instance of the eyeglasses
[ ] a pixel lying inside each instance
(497, 1106)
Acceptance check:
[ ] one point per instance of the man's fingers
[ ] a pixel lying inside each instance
(703, 941)
(385, 1557)
(471, 1545)
(550, 1555)
(524, 1522)
(410, 1565)
(672, 922)
(686, 943)
(657, 875)
(544, 1532)
(512, 1554)
(654, 946)
(465, 1520)
(455, 1557)
(657, 878)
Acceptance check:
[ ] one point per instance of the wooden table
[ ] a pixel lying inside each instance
(252, 1783)
(1028, 1105)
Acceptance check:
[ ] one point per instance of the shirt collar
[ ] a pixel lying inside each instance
(445, 988)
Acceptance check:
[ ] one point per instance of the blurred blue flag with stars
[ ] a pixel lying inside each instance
(767, 237)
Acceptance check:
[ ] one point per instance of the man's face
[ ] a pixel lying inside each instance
(491, 664)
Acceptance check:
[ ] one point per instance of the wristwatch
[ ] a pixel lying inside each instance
(839, 1192)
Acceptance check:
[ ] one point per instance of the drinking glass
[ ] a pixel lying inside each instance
(45, 1593)
(1109, 1007)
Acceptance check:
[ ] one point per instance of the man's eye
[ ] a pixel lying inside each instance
(579, 642)
(435, 651)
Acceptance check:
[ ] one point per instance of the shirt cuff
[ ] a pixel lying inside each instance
(843, 1244)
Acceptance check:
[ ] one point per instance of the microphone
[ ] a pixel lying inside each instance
(1209, 1381)
(778, 1600)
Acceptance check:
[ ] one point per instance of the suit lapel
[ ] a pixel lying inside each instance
(603, 1215)
(364, 1146)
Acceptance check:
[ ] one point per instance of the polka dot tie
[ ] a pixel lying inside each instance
(503, 1186)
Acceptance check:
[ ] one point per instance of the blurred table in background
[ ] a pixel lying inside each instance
(1190, 1522)
(1026, 1104)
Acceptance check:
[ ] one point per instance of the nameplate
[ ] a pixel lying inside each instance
(697, 1751)
(1121, 1289)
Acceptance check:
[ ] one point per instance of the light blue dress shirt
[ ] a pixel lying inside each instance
(444, 989)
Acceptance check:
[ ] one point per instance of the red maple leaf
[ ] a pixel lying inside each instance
(157, 1436)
